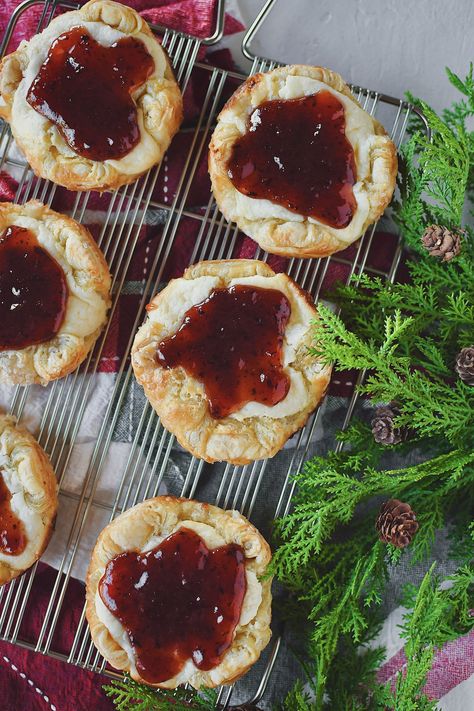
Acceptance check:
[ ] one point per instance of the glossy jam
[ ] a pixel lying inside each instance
(232, 343)
(12, 531)
(296, 154)
(33, 291)
(85, 89)
(178, 601)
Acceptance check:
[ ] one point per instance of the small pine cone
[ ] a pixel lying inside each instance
(441, 242)
(465, 365)
(396, 523)
(382, 425)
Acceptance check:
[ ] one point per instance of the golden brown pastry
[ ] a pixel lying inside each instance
(170, 580)
(28, 500)
(54, 293)
(298, 164)
(104, 116)
(256, 385)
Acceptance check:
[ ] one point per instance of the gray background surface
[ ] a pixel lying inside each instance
(388, 45)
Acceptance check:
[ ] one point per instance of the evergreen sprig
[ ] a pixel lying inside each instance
(438, 615)
(329, 492)
(431, 404)
(405, 338)
(129, 695)
(433, 177)
(460, 112)
(338, 572)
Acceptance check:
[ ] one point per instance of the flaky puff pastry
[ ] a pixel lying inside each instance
(158, 102)
(88, 281)
(142, 528)
(27, 473)
(255, 431)
(272, 226)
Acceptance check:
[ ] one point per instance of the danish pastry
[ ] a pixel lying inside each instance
(28, 500)
(92, 101)
(223, 358)
(175, 593)
(54, 293)
(298, 164)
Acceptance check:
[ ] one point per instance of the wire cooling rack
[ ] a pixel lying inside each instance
(150, 450)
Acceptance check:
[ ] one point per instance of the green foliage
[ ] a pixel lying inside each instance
(438, 615)
(433, 177)
(328, 494)
(129, 695)
(362, 693)
(405, 338)
(298, 699)
(430, 404)
(460, 112)
(338, 571)
(368, 300)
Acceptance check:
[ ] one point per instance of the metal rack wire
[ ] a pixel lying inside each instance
(150, 450)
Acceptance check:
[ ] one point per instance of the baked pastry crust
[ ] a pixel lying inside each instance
(274, 228)
(158, 100)
(179, 399)
(159, 517)
(29, 470)
(88, 281)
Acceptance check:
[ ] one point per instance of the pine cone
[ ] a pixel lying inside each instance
(382, 425)
(396, 523)
(441, 242)
(465, 365)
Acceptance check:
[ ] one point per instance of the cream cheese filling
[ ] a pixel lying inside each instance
(29, 516)
(183, 294)
(359, 132)
(29, 122)
(250, 605)
(85, 310)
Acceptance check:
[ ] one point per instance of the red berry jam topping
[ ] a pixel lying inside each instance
(12, 531)
(85, 89)
(296, 154)
(178, 601)
(232, 343)
(33, 291)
